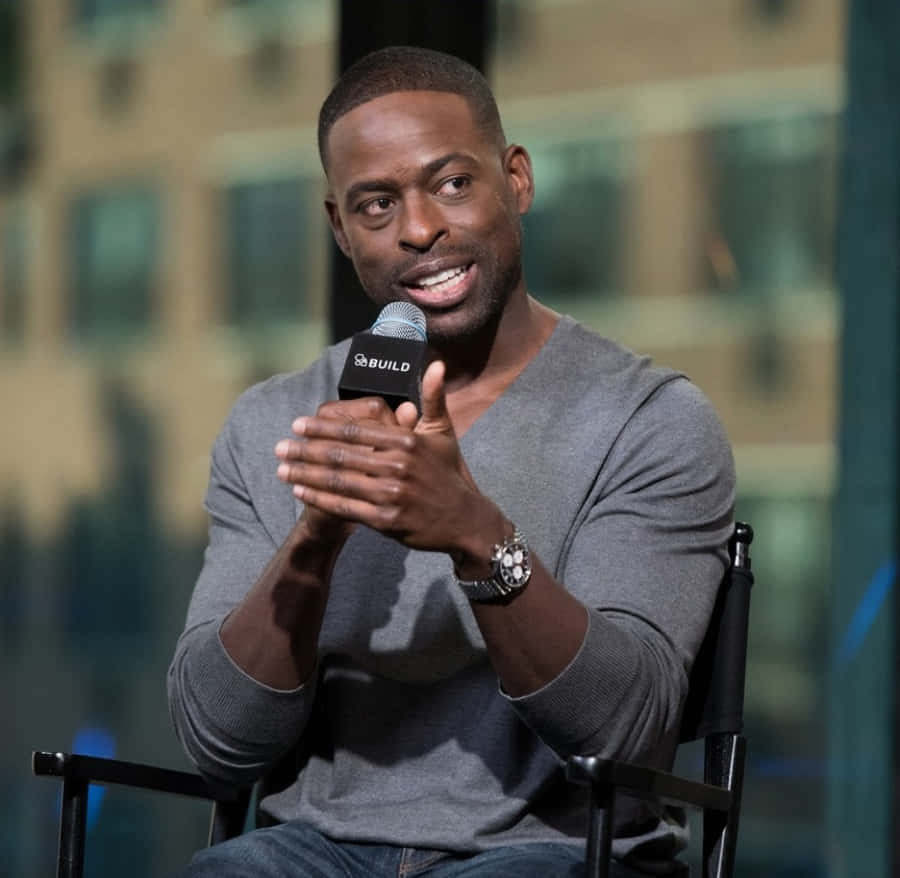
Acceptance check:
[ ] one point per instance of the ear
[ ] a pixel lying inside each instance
(517, 166)
(337, 225)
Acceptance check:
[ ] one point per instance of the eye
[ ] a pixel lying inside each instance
(376, 206)
(454, 185)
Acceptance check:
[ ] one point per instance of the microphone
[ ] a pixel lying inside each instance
(386, 360)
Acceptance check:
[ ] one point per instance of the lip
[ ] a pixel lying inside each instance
(433, 266)
(446, 296)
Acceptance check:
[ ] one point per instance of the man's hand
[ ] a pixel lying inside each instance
(407, 478)
(321, 525)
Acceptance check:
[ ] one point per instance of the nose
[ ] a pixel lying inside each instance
(422, 224)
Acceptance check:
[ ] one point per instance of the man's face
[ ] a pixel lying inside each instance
(428, 208)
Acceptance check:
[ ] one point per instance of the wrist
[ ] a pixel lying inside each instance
(323, 537)
(312, 552)
(472, 556)
(509, 571)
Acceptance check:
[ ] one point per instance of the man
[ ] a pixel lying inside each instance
(350, 623)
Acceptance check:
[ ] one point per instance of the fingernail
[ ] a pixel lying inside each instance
(299, 425)
(281, 449)
(298, 491)
(283, 471)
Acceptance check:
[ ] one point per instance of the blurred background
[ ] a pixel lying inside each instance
(700, 166)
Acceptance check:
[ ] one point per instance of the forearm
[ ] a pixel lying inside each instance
(241, 691)
(532, 638)
(272, 635)
(582, 680)
(619, 697)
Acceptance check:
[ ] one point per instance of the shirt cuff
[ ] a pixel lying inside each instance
(248, 709)
(570, 709)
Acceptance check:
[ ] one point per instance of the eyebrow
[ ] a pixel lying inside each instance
(380, 185)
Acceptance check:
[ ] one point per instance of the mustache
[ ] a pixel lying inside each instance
(471, 253)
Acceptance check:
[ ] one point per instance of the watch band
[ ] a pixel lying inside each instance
(510, 571)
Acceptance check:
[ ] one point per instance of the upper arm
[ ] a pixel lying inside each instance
(652, 545)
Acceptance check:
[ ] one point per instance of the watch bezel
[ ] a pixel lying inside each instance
(503, 581)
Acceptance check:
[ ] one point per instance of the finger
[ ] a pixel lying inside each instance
(288, 449)
(341, 483)
(295, 455)
(434, 400)
(376, 516)
(367, 433)
(370, 407)
(407, 415)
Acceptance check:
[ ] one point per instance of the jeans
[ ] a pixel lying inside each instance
(296, 850)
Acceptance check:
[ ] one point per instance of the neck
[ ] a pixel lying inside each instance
(501, 349)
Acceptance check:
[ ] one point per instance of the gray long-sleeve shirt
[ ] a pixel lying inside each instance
(621, 478)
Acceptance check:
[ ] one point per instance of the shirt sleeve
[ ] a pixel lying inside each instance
(232, 726)
(647, 560)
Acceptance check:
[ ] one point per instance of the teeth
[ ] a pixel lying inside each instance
(440, 277)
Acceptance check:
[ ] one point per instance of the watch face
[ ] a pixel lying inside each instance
(511, 570)
(514, 565)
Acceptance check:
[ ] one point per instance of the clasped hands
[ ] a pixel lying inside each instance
(356, 461)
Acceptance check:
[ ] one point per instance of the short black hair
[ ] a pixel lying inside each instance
(409, 68)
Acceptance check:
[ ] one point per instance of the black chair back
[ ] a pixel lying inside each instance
(715, 701)
(714, 713)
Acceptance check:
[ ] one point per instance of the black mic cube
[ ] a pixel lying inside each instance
(380, 365)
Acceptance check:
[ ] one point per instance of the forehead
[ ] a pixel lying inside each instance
(402, 130)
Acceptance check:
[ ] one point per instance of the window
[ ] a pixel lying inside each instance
(574, 230)
(267, 245)
(772, 200)
(787, 674)
(772, 11)
(303, 21)
(13, 257)
(110, 551)
(92, 11)
(117, 26)
(115, 255)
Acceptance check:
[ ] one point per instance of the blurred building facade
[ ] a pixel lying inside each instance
(164, 246)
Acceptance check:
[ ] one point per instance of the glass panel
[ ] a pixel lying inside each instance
(117, 28)
(573, 233)
(115, 243)
(267, 246)
(297, 21)
(774, 214)
(786, 688)
(87, 11)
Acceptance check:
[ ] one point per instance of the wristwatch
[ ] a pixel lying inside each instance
(510, 571)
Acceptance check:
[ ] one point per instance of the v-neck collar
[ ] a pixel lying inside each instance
(522, 381)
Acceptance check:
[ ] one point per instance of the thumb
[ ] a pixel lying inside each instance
(434, 400)
(407, 415)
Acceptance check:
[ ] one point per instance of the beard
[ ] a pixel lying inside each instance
(479, 313)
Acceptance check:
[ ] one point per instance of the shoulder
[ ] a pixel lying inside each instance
(599, 367)
(290, 393)
(592, 384)
(645, 412)
(676, 437)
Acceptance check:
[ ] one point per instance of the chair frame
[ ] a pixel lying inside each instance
(714, 712)
(78, 772)
(718, 796)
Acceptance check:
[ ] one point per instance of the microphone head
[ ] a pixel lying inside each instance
(400, 320)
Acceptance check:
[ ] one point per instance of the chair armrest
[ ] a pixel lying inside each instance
(647, 783)
(94, 769)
